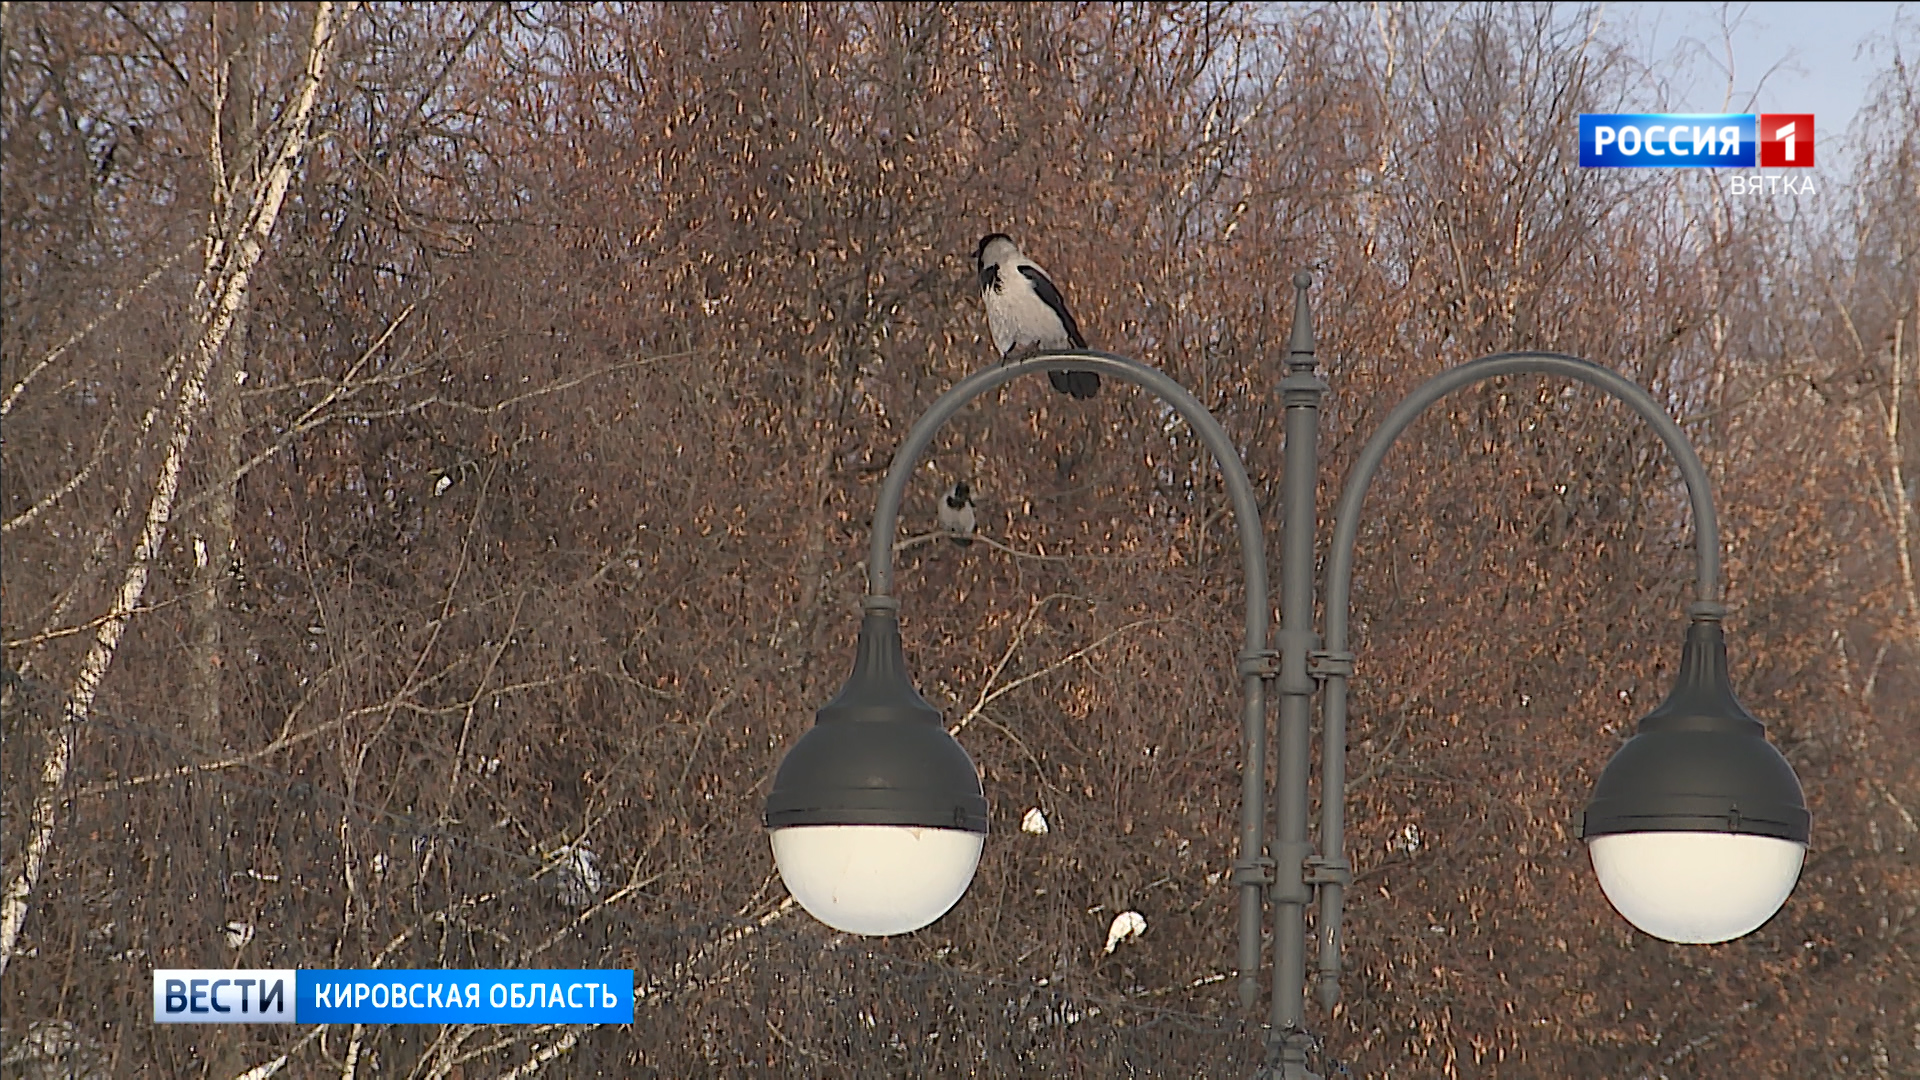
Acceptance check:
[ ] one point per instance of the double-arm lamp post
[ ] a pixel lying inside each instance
(1697, 827)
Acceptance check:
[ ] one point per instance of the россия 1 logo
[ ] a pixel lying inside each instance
(1786, 140)
(1683, 140)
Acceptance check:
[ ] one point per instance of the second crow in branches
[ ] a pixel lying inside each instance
(956, 514)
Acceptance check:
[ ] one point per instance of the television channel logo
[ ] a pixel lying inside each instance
(214, 996)
(1786, 140)
(1696, 140)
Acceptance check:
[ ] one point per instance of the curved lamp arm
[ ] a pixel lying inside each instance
(1706, 534)
(1256, 661)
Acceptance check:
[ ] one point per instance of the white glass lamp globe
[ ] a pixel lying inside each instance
(876, 815)
(1698, 826)
(1696, 888)
(876, 880)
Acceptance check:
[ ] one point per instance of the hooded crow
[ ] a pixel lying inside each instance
(1026, 313)
(956, 514)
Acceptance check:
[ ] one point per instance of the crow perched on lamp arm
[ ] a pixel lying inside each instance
(1026, 313)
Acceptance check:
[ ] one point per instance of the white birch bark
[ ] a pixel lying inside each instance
(1903, 511)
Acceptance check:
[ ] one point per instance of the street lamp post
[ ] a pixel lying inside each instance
(877, 779)
(1697, 827)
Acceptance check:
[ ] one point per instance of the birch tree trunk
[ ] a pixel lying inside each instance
(234, 163)
(235, 245)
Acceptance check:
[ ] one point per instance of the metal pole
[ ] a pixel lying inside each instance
(1301, 391)
(1256, 662)
(1339, 663)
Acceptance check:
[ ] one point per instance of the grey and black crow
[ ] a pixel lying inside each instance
(956, 514)
(1026, 313)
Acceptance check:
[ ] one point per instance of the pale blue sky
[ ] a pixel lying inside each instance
(1787, 57)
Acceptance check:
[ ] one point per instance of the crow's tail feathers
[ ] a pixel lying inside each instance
(1078, 384)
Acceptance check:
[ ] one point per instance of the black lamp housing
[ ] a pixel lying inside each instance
(878, 754)
(1700, 762)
